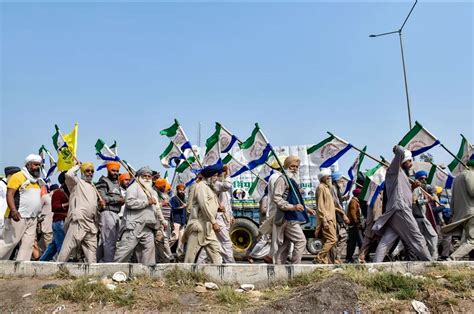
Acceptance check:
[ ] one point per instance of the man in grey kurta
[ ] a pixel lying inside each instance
(398, 220)
(140, 221)
(462, 204)
(81, 221)
(109, 224)
(200, 232)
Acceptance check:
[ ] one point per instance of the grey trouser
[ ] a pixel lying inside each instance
(143, 245)
(109, 226)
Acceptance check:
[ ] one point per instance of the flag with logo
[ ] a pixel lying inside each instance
(373, 185)
(418, 140)
(327, 152)
(255, 149)
(66, 146)
(439, 177)
(171, 156)
(176, 135)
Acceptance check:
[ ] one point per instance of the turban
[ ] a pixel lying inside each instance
(325, 172)
(430, 189)
(113, 165)
(144, 170)
(181, 187)
(11, 170)
(86, 165)
(356, 192)
(438, 189)
(336, 175)
(290, 160)
(407, 156)
(33, 158)
(124, 176)
(53, 187)
(167, 187)
(62, 177)
(160, 183)
(421, 173)
(470, 163)
(210, 171)
(275, 164)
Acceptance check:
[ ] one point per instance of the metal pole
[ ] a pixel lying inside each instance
(405, 77)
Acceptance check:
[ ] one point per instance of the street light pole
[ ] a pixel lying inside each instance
(406, 83)
(399, 31)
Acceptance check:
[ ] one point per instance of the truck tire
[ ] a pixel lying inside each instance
(314, 245)
(243, 235)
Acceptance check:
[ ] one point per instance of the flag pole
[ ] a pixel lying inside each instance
(78, 162)
(240, 142)
(128, 170)
(379, 161)
(455, 157)
(192, 150)
(281, 166)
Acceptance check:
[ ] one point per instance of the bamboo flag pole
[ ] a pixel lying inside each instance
(148, 194)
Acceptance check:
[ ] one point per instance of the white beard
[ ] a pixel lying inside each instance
(148, 184)
(294, 175)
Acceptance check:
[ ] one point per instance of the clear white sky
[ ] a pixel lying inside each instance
(123, 71)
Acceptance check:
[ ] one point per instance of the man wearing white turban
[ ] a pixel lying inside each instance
(24, 205)
(398, 219)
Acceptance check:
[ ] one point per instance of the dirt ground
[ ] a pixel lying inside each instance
(348, 290)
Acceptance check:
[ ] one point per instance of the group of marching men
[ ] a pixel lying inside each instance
(121, 218)
(124, 218)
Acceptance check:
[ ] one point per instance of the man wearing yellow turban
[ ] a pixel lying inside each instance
(80, 225)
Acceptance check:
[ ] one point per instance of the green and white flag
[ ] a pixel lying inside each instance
(185, 173)
(466, 152)
(327, 152)
(257, 189)
(106, 153)
(171, 156)
(255, 149)
(176, 135)
(439, 177)
(236, 168)
(418, 140)
(221, 141)
(374, 184)
(43, 152)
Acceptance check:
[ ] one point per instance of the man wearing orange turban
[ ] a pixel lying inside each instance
(109, 223)
(178, 205)
(163, 250)
(124, 181)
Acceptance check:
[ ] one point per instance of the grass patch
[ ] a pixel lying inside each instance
(308, 278)
(86, 292)
(227, 295)
(63, 273)
(179, 277)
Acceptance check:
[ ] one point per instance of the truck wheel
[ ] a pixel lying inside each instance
(314, 246)
(243, 235)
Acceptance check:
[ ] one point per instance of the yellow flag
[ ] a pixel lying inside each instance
(66, 147)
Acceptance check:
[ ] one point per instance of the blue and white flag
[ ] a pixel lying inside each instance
(176, 135)
(255, 149)
(327, 152)
(43, 152)
(418, 140)
(353, 171)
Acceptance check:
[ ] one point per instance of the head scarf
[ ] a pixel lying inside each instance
(86, 165)
(181, 187)
(124, 176)
(275, 164)
(160, 183)
(325, 172)
(11, 170)
(407, 156)
(421, 173)
(144, 170)
(290, 160)
(336, 175)
(210, 171)
(33, 158)
(356, 192)
(113, 165)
